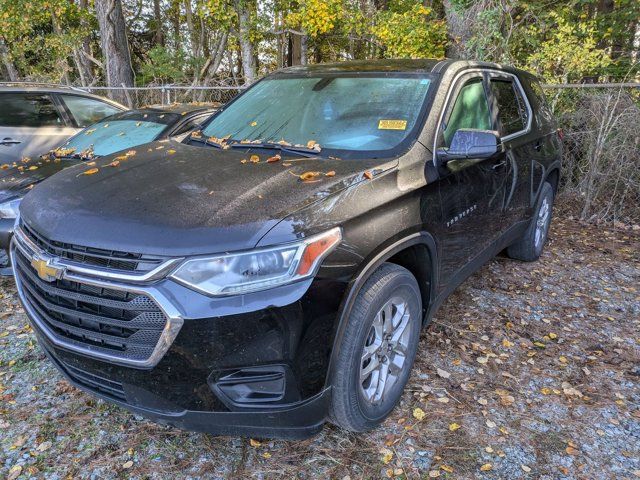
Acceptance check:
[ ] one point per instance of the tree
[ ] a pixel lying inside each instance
(115, 47)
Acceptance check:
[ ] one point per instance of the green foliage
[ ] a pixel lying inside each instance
(411, 33)
(163, 66)
(569, 53)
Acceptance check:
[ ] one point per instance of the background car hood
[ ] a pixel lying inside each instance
(176, 199)
(17, 180)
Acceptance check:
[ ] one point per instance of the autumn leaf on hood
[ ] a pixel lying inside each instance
(91, 171)
(4, 166)
(254, 158)
(115, 163)
(274, 159)
(331, 173)
(196, 134)
(171, 151)
(307, 176)
(368, 175)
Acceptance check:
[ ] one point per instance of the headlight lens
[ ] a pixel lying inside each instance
(10, 209)
(259, 269)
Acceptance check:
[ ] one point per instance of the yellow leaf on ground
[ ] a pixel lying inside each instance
(418, 413)
(254, 443)
(486, 467)
(453, 427)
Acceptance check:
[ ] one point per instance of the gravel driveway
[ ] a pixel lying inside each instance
(530, 370)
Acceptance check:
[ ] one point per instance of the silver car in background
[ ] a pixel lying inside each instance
(35, 118)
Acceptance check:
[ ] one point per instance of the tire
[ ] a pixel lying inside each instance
(362, 405)
(530, 246)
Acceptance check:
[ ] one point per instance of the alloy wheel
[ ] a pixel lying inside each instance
(385, 351)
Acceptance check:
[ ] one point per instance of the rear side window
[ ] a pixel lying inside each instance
(512, 112)
(28, 110)
(87, 111)
(470, 110)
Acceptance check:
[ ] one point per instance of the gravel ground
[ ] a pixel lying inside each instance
(528, 371)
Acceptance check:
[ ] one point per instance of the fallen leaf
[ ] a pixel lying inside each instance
(127, 464)
(453, 427)
(307, 176)
(368, 175)
(486, 467)
(572, 451)
(418, 413)
(447, 468)
(434, 473)
(44, 446)
(171, 151)
(15, 472)
(387, 455)
(91, 171)
(311, 143)
(266, 455)
(330, 174)
(253, 124)
(115, 163)
(254, 443)
(254, 158)
(275, 158)
(33, 167)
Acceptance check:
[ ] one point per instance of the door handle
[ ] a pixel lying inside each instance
(9, 141)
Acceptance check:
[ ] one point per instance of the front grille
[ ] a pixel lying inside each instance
(91, 381)
(110, 259)
(121, 324)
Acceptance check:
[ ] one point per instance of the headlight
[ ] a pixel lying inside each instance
(258, 269)
(10, 209)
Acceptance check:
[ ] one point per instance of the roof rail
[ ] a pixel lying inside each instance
(39, 84)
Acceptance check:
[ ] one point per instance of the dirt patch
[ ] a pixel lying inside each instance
(544, 372)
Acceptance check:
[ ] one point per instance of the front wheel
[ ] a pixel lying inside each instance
(529, 247)
(377, 350)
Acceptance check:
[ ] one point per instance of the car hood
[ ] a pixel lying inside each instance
(175, 199)
(16, 180)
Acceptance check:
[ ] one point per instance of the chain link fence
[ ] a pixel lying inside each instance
(601, 125)
(601, 165)
(167, 94)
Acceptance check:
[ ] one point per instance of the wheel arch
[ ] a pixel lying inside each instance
(417, 253)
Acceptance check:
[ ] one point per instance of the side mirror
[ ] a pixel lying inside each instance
(469, 146)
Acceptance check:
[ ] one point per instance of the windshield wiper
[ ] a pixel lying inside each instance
(207, 142)
(307, 152)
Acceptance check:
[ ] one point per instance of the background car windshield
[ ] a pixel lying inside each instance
(121, 132)
(342, 113)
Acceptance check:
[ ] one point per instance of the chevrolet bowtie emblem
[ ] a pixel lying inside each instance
(46, 269)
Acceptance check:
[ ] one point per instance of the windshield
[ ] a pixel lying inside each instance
(120, 132)
(348, 114)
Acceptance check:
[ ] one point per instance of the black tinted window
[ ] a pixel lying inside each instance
(28, 110)
(512, 113)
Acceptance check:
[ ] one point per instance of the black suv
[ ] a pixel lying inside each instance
(274, 269)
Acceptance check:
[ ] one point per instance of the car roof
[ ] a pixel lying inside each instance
(424, 65)
(53, 88)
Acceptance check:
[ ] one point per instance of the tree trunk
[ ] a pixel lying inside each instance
(115, 48)
(9, 66)
(158, 38)
(246, 47)
(195, 44)
(82, 54)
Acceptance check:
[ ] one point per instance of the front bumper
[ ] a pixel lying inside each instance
(254, 364)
